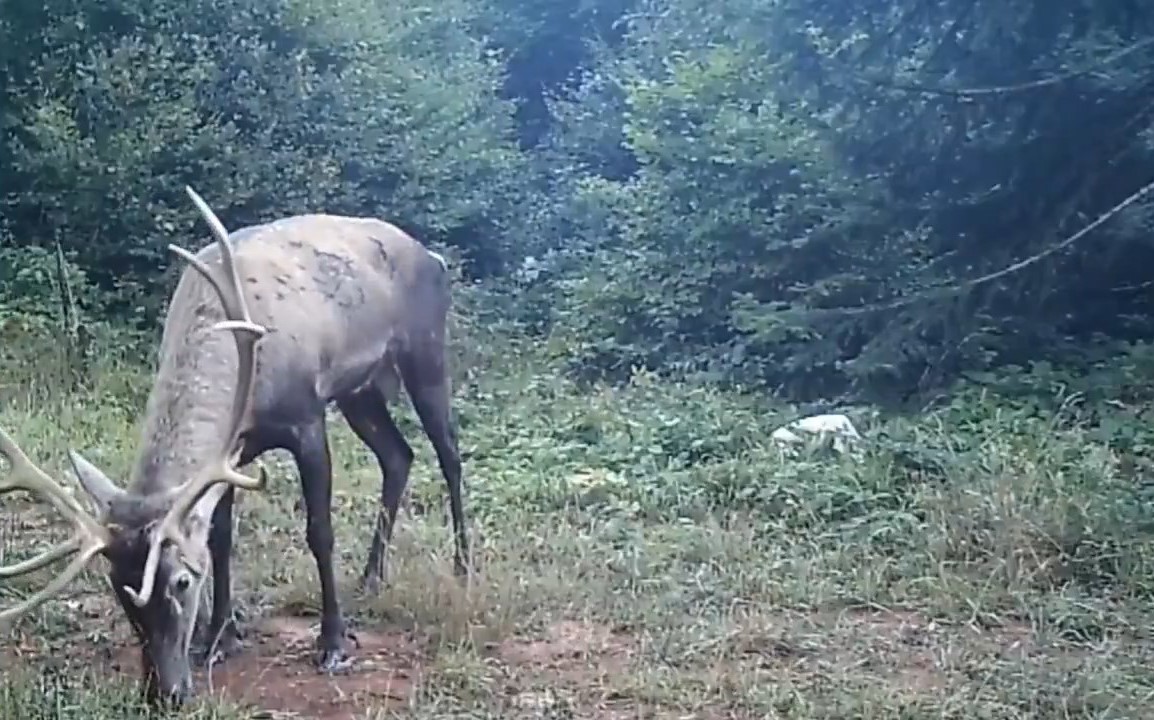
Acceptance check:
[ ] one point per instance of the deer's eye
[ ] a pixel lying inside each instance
(182, 582)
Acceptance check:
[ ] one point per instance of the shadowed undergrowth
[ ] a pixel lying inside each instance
(645, 551)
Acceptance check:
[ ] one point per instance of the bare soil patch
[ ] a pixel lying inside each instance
(274, 673)
(571, 663)
(570, 651)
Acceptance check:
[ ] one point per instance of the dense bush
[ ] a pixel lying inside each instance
(740, 206)
(796, 195)
(267, 108)
(749, 188)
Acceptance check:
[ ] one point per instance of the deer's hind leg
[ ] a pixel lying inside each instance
(367, 413)
(427, 382)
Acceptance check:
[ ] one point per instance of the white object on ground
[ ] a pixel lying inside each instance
(818, 427)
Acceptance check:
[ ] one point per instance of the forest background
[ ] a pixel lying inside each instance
(792, 196)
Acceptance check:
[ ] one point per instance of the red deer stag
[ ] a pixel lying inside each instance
(342, 309)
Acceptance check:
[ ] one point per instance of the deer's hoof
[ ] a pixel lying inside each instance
(333, 657)
(334, 661)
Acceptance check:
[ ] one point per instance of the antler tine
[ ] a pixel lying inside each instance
(44, 559)
(88, 539)
(247, 334)
(57, 584)
(26, 475)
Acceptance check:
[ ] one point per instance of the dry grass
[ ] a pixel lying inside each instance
(645, 553)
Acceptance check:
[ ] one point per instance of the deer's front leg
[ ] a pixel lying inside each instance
(315, 466)
(221, 639)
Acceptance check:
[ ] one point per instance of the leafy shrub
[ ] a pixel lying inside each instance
(266, 108)
(740, 208)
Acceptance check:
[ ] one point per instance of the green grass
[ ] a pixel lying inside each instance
(645, 551)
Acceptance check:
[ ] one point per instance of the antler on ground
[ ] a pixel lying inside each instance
(88, 538)
(222, 469)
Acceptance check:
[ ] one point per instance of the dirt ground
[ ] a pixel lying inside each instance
(274, 673)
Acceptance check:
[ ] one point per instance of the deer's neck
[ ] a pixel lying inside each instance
(187, 415)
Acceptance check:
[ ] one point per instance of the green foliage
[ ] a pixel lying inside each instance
(267, 109)
(735, 190)
(739, 185)
(739, 209)
(31, 288)
(1037, 498)
(50, 324)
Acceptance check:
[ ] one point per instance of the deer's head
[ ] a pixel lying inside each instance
(155, 544)
(161, 604)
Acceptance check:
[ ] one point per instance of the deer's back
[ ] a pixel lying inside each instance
(338, 294)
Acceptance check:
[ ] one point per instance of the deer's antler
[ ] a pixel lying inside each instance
(247, 334)
(88, 538)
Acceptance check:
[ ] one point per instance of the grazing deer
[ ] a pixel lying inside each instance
(341, 309)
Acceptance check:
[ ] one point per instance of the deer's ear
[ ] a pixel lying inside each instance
(99, 487)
